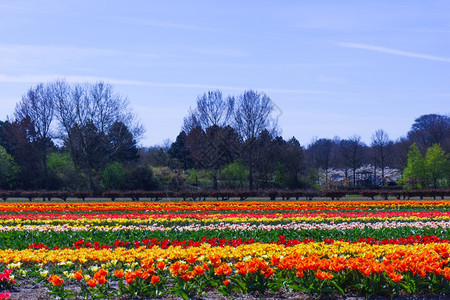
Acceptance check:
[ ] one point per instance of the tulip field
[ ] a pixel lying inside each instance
(219, 249)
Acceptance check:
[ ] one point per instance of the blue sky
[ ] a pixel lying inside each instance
(332, 68)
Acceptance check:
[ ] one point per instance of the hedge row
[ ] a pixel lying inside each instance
(226, 194)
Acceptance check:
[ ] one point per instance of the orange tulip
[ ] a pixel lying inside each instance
(78, 275)
(155, 279)
(91, 282)
(101, 280)
(184, 267)
(275, 260)
(145, 275)
(446, 273)
(191, 259)
(205, 266)
(139, 272)
(161, 265)
(56, 280)
(396, 277)
(100, 274)
(323, 275)
(118, 273)
(129, 277)
(199, 270)
(147, 263)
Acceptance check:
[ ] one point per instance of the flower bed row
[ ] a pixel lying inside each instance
(188, 218)
(114, 249)
(252, 206)
(236, 227)
(312, 268)
(21, 239)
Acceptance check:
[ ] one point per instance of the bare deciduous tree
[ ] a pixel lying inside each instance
(431, 129)
(87, 114)
(38, 105)
(321, 153)
(352, 152)
(209, 134)
(252, 116)
(211, 110)
(381, 149)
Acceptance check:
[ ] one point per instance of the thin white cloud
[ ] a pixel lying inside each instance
(426, 31)
(441, 94)
(20, 50)
(163, 24)
(219, 51)
(34, 59)
(393, 51)
(46, 78)
(14, 7)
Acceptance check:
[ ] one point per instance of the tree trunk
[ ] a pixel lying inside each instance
(250, 178)
(374, 174)
(44, 158)
(215, 187)
(354, 176)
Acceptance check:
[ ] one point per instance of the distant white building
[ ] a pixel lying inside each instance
(366, 175)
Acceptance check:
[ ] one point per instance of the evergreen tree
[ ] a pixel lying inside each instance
(414, 175)
(437, 165)
(8, 169)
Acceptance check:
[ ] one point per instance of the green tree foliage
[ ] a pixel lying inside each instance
(236, 173)
(431, 170)
(179, 154)
(213, 148)
(291, 159)
(414, 175)
(62, 172)
(122, 145)
(20, 141)
(168, 180)
(198, 178)
(88, 148)
(437, 166)
(140, 177)
(1, 133)
(84, 136)
(8, 169)
(113, 176)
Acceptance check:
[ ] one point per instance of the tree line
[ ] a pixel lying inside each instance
(84, 137)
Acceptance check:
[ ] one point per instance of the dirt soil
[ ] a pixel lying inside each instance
(29, 290)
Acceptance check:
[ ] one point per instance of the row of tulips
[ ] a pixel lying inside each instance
(392, 270)
(188, 218)
(22, 239)
(218, 206)
(321, 249)
(218, 242)
(231, 226)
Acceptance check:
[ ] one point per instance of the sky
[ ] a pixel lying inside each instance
(331, 68)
